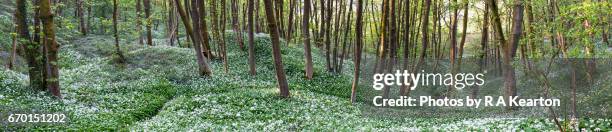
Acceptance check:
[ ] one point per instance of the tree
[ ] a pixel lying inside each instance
(117, 47)
(138, 21)
(251, 37)
(217, 31)
(79, 12)
(11, 62)
(33, 50)
(147, 6)
(306, 37)
(328, 36)
(196, 37)
(276, 53)
(465, 23)
(357, 52)
(510, 50)
(52, 79)
(292, 5)
(453, 43)
(236, 25)
(508, 69)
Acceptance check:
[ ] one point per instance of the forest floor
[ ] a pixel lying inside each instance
(158, 89)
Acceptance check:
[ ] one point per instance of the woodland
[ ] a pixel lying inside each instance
(301, 65)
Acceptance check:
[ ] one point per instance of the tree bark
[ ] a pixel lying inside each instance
(292, 5)
(33, 52)
(147, 6)
(79, 10)
(52, 48)
(251, 37)
(328, 36)
(116, 35)
(236, 25)
(306, 36)
(465, 23)
(276, 51)
(11, 62)
(217, 32)
(357, 53)
(139, 21)
(195, 38)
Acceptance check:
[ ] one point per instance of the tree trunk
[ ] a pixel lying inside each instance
(292, 5)
(139, 21)
(115, 23)
(306, 36)
(147, 6)
(11, 62)
(48, 27)
(236, 25)
(483, 46)
(465, 23)
(196, 38)
(347, 31)
(453, 44)
(33, 53)
(79, 10)
(357, 53)
(251, 37)
(328, 36)
(276, 51)
(406, 39)
(217, 32)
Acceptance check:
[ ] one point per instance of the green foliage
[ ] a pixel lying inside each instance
(159, 90)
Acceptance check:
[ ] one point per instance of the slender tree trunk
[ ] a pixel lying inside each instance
(236, 25)
(216, 25)
(406, 38)
(79, 10)
(276, 51)
(357, 53)
(47, 19)
(115, 23)
(465, 23)
(336, 36)
(483, 46)
(306, 36)
(11, 62)
(328, 36)
(453, 44)
(347, 31)
(384, 49)
(139, 21)
(251, 37)
(147, 6)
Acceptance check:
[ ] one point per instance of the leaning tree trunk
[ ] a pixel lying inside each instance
(195, 38)
(79, 10)
(139, 21)
(276, 51)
